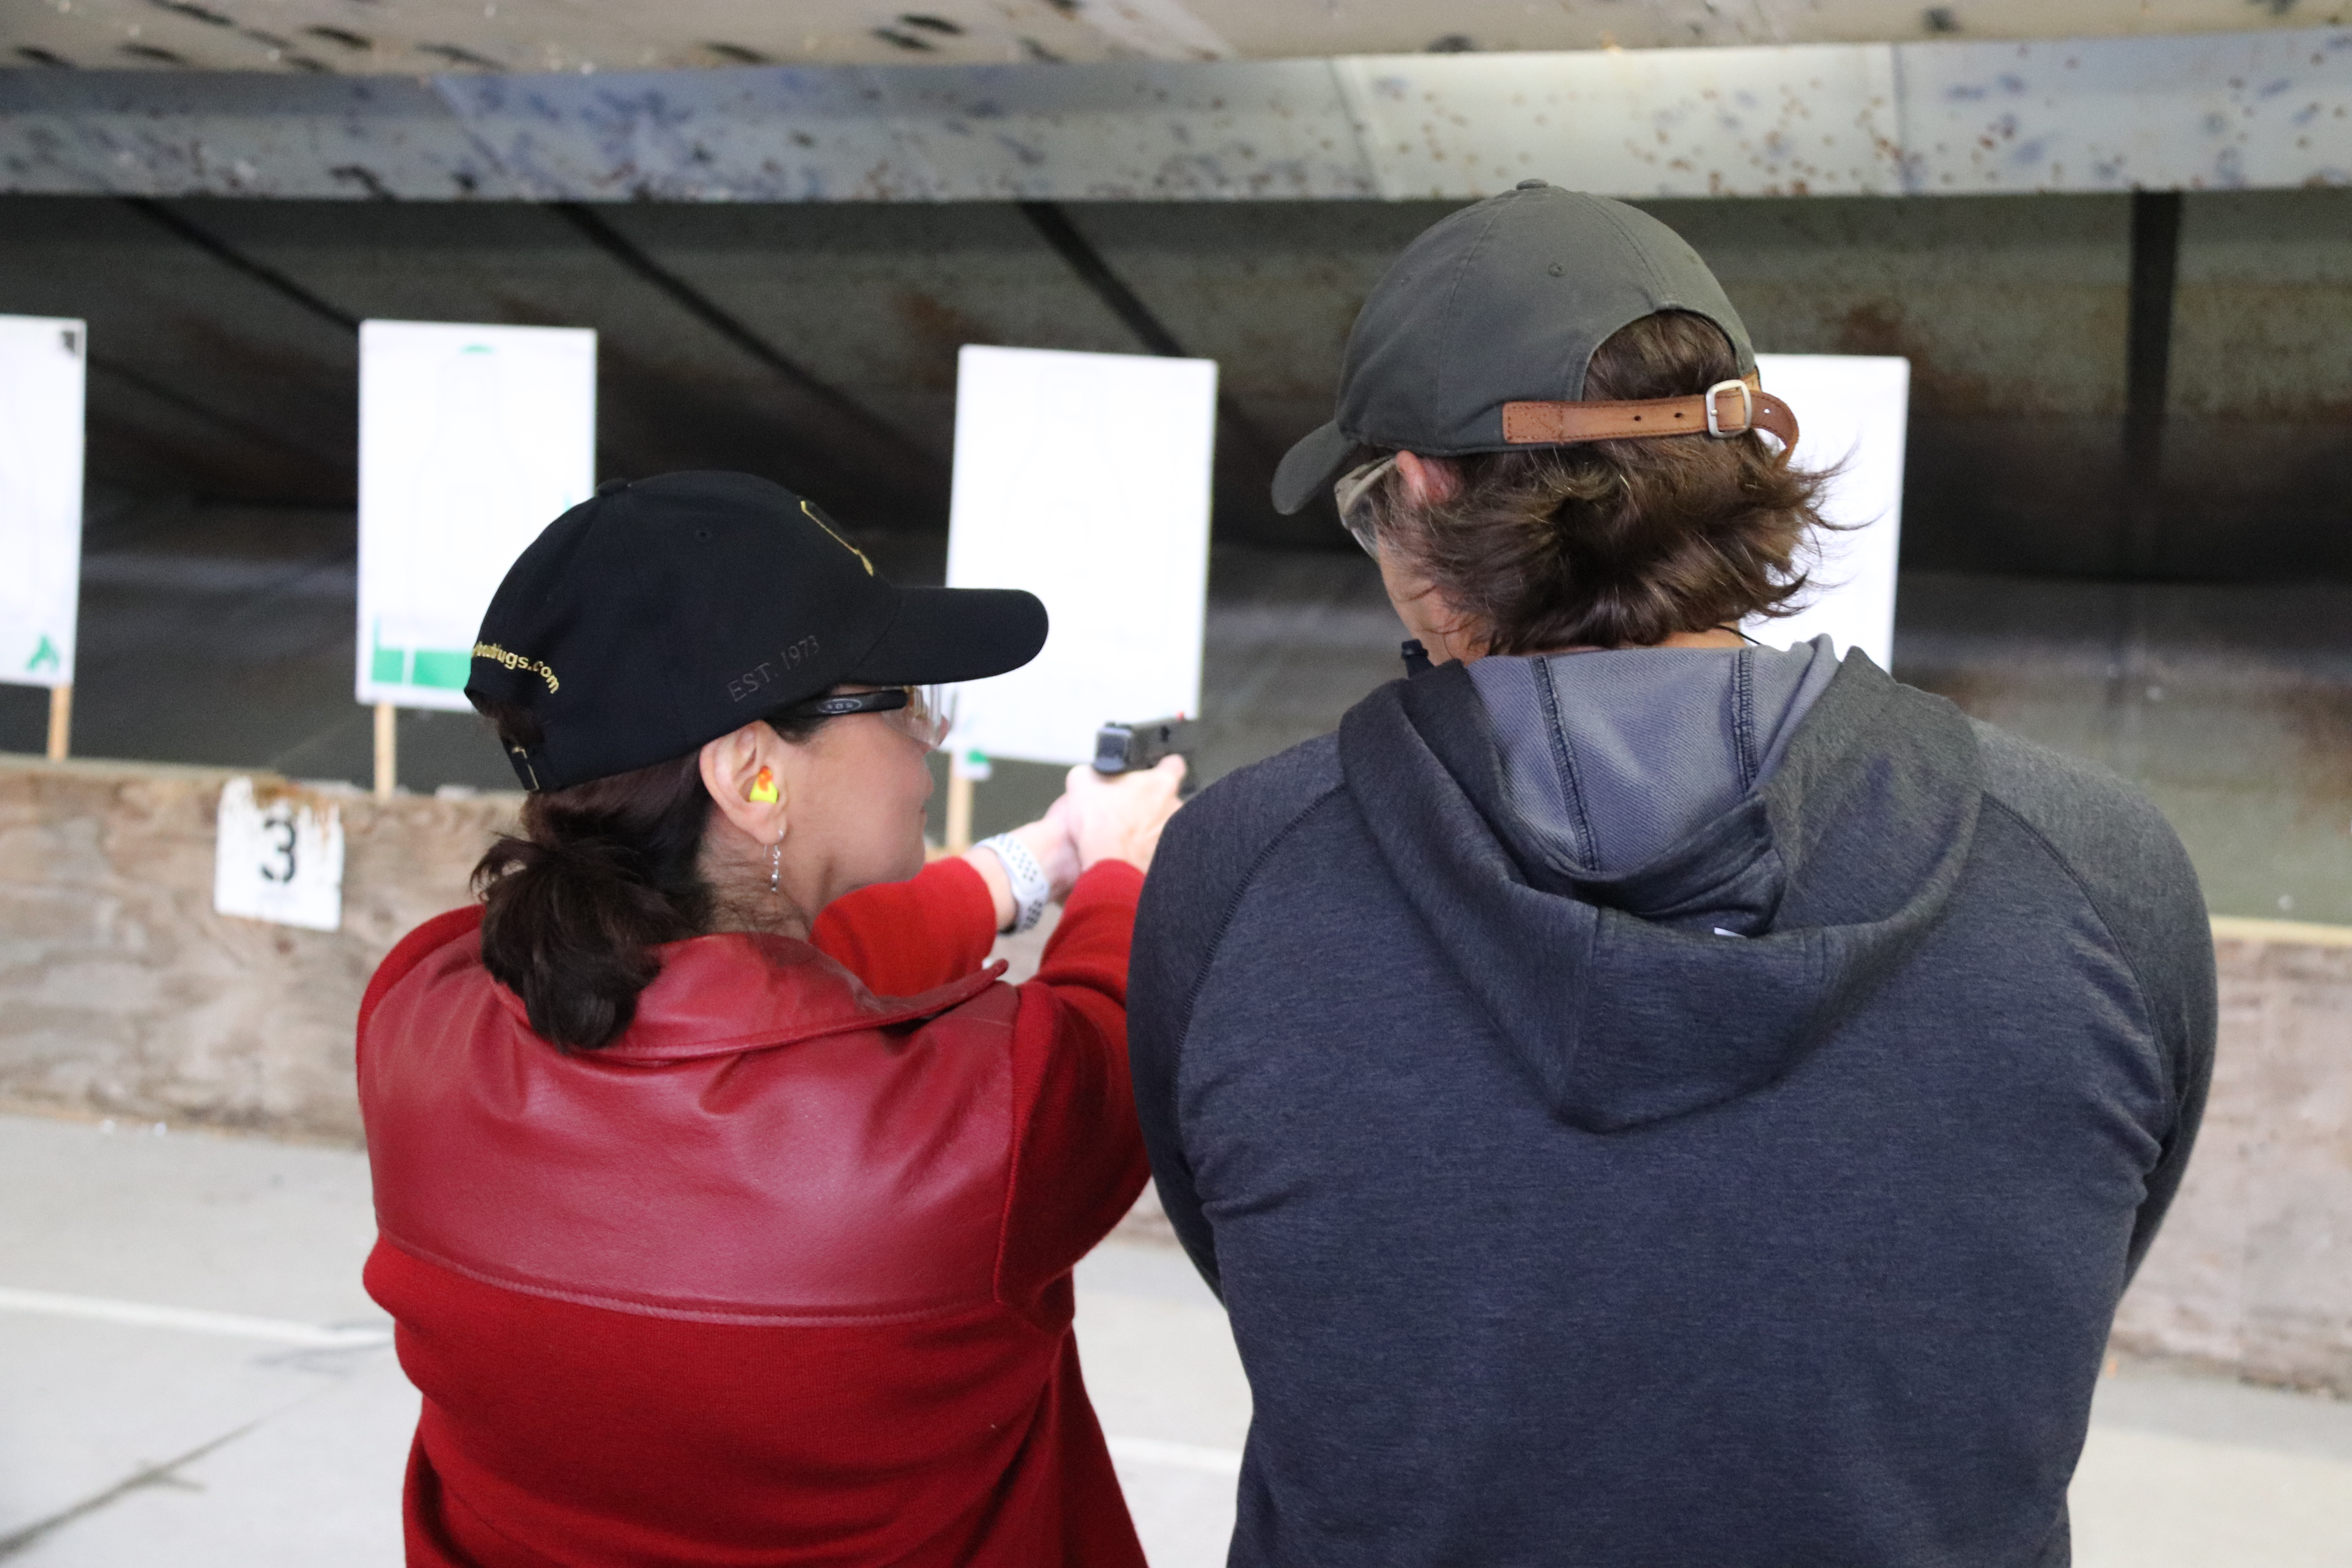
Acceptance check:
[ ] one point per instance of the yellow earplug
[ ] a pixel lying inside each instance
(763, 788)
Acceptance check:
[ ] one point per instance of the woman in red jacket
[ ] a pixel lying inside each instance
(726, 1212)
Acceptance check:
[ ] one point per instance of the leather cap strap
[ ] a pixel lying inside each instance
(1566, 423)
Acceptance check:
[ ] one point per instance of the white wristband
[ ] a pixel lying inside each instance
(1031, 890)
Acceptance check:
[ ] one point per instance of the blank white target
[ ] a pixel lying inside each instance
(1852, 409)
(472, 439)
(41, 393)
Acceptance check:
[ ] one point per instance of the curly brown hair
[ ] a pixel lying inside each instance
(1614, 543)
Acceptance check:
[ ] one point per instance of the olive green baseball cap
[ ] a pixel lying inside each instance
(1502, 301)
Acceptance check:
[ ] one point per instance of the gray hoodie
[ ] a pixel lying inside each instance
(1667, 1108)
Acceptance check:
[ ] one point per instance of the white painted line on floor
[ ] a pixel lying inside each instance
(1176, 1455)
(232, 1325)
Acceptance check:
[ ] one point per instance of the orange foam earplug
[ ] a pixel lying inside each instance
(763, 788)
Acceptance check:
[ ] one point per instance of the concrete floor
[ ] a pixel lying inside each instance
(190, 1373)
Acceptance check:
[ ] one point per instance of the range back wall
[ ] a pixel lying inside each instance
(2012, 309)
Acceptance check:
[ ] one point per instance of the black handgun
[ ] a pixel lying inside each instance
(1125, 747)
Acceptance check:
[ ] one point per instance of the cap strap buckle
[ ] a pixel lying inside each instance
(1715, 425)
(1563, 423)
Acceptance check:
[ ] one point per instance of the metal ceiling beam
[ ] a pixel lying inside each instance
(220, 250)
(2147, 363)
(2265, 110)
(703, 308)
(1054, 226)
(419, 37)
(338, 465)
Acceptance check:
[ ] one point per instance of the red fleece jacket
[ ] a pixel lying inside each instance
(782, 1275)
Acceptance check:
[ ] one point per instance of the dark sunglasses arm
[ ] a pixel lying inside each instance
(838, 706)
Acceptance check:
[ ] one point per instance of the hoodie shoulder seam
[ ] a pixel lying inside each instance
(1225, 919)
(2140, 988)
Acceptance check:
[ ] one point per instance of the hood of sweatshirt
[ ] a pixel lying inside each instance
(1660, 921)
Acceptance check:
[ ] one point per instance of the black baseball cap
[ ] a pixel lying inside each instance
(660, 614)
(1502, 301)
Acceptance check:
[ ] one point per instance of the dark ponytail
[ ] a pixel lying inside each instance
(603, 872)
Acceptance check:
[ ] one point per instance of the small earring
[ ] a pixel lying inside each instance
(775, 867)
(764, 787)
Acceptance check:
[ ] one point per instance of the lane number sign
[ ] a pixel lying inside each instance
(279, 859)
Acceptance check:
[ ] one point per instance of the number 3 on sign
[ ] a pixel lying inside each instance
(281, 862)
(278, 825)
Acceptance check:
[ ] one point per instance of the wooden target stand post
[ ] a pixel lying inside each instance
(965, 769)
(387, 751)
(60, 721)
(959, 835)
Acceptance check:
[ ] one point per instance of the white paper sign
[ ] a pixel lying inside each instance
(471, 440)
(41, 376)
(280, 860)
(1850, 409)
(1084, 479)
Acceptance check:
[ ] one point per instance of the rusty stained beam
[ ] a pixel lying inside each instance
(332, 36)
(2258, 109)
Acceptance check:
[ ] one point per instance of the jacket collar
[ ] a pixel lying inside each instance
(716, 995)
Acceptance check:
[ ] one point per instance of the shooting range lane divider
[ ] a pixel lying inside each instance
(189, 1319)
(2257, 109)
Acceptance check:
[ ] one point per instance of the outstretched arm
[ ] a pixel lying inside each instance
(1077, 1158)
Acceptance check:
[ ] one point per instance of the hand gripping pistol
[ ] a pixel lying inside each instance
(1126, 748)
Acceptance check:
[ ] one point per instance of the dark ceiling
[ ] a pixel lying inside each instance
(817, 343)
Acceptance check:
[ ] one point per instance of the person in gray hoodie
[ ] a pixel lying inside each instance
(1646, 1098)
